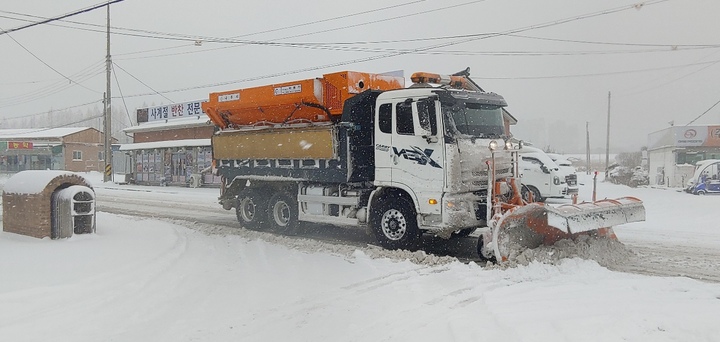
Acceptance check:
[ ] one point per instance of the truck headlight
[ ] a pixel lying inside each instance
(556, 180)
(457, 205)
(493, 145)
(508, 145)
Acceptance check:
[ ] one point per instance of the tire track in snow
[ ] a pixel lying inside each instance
(653, 259)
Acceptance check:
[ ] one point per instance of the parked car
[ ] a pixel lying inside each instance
(542, 177)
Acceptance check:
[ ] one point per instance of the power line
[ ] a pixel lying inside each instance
(598, 74)
(47, 65)
(51, 111)
(421, 49)
(709, 65)
(62, 16)
(274, 41)
(705, 112)
(81, 76)
(194, 38)
(121, 95)
(143, 83)
(612, 43)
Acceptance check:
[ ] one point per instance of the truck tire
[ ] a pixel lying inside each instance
(251, 209)
(282, 213)
(395, 224)
(527, 189)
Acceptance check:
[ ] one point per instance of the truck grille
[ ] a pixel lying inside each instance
(571, 180)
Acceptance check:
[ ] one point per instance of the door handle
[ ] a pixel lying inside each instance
(395, 159)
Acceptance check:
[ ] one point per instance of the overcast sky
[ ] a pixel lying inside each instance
(554, 61)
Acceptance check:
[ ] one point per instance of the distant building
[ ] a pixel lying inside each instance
(673, 152)
(171, 146)
(78, 149)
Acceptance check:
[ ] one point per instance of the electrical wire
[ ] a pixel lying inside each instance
(599, 74)
(412, 51)
(194, 38)
(274, 41)
(121, 95)
(81, 76)
(143, 83)
(612, 43)
(701, 115)
(84, 10)
(46, 64)
(54, 111)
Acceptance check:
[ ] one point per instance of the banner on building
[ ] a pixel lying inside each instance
(685, 136)
(693, 136)
(172, 111)
(19, 145)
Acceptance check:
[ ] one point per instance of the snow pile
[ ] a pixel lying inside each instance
(606, 252)
(32, 181)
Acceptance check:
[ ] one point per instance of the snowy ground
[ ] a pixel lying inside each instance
(155, 279)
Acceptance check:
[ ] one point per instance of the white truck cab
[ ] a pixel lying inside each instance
(542, 177)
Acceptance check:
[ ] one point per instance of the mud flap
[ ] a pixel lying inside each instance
(537, 224)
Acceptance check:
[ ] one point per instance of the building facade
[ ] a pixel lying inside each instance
(77, 149)
(673, 152)
(171, 146)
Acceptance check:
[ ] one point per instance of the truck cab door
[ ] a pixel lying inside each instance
(383, 145)
(418, 159)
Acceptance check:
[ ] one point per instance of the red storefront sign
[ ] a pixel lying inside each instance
(20, 145)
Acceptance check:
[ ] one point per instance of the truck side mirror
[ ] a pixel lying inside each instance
(544, 169)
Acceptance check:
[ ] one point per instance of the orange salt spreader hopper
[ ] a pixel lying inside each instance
(310, 100)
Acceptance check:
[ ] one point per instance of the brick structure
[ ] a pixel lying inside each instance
(27, 208)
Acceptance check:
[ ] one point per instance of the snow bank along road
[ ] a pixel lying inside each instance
(679, 238)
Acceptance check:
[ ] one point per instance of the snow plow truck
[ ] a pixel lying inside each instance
(361, 149)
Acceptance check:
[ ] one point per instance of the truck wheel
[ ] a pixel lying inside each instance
(251, 209)
(282, 213)
(527, 189)
(395, 224)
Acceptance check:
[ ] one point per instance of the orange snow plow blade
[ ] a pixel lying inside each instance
(537, 224)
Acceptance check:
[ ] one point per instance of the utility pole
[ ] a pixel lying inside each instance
(587, 147)
(607, 140)
(107, 115)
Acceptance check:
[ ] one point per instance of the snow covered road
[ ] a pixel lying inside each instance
(191, 274)
(679, 237)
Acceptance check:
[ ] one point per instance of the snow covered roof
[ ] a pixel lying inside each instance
(39, 133)
(33, 181)
(165, 144)
(197, 121)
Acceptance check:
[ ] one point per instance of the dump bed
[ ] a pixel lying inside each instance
(318, 152)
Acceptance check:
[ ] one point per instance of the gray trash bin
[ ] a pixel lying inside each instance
(73, 211)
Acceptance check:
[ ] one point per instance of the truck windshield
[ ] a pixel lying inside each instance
(475, 119)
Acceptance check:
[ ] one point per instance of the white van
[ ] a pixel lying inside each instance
(542, 177)
(563, 163)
